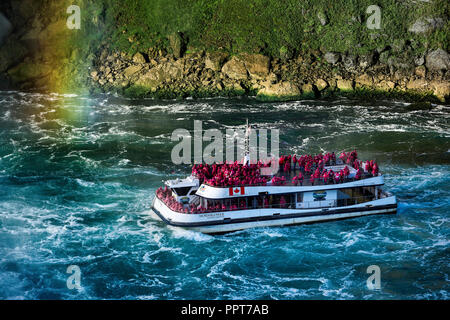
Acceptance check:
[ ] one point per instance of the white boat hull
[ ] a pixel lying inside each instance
(229, 221)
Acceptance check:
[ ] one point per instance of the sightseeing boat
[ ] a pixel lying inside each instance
(222, 198)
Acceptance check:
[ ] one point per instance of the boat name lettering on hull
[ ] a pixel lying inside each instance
(212, 215)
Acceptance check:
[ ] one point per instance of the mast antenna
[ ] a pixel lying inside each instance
(247, 144)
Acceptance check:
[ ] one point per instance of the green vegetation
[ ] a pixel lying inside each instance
(272, 27)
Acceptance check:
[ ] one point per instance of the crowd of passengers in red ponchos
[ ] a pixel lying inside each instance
(235, 174)
(166, 196)
(310, 168)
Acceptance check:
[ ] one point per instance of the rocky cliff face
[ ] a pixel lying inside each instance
(37, 51)
(218, 73)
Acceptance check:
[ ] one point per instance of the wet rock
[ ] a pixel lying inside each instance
(419, 85)
(131, 70)
(438, 60)
(257, 65)
(344, 85)
(272, 78)
(366, 60)
(385, 85)
(206, 83)
(150, 79)
(215, 60)
(281, 90)
(308, 90)
(176, 44)
(235, 69)
(139, 58)
(321, 84)
(332, 57)
(400, 63)
(420, 60)
(163, 73)
(420, 71)
(363, 80)
(349, 62)
(94, 75)
(110, 58)
(441, 89)
(423, 25)
(237, 87)
(173, 70)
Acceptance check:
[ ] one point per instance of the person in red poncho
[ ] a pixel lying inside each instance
(333, 158)
(325, 176)
(282, 202)
(375, 170)
(300, 178)
(313, 177)
(281, 161)
(266, 202)
(346, 172)
(331, 176)
(287, 166)
(343, 157)
(359, 173)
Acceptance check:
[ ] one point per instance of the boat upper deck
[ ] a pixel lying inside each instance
(292, 170)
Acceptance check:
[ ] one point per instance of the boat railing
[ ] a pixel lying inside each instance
(305, 183)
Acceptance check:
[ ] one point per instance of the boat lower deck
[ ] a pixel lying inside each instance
(223, 222)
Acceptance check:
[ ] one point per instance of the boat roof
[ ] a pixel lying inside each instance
(181, 183)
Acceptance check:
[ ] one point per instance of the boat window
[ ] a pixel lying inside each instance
(299, 196)
(350, 196)
(181, 191)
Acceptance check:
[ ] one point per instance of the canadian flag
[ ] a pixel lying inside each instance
(236, 190)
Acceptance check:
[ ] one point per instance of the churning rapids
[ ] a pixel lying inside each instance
(77, 176)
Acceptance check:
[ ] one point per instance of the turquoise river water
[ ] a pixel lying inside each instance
(78, 173)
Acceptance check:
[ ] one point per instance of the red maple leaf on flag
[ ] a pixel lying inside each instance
(236, 190)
